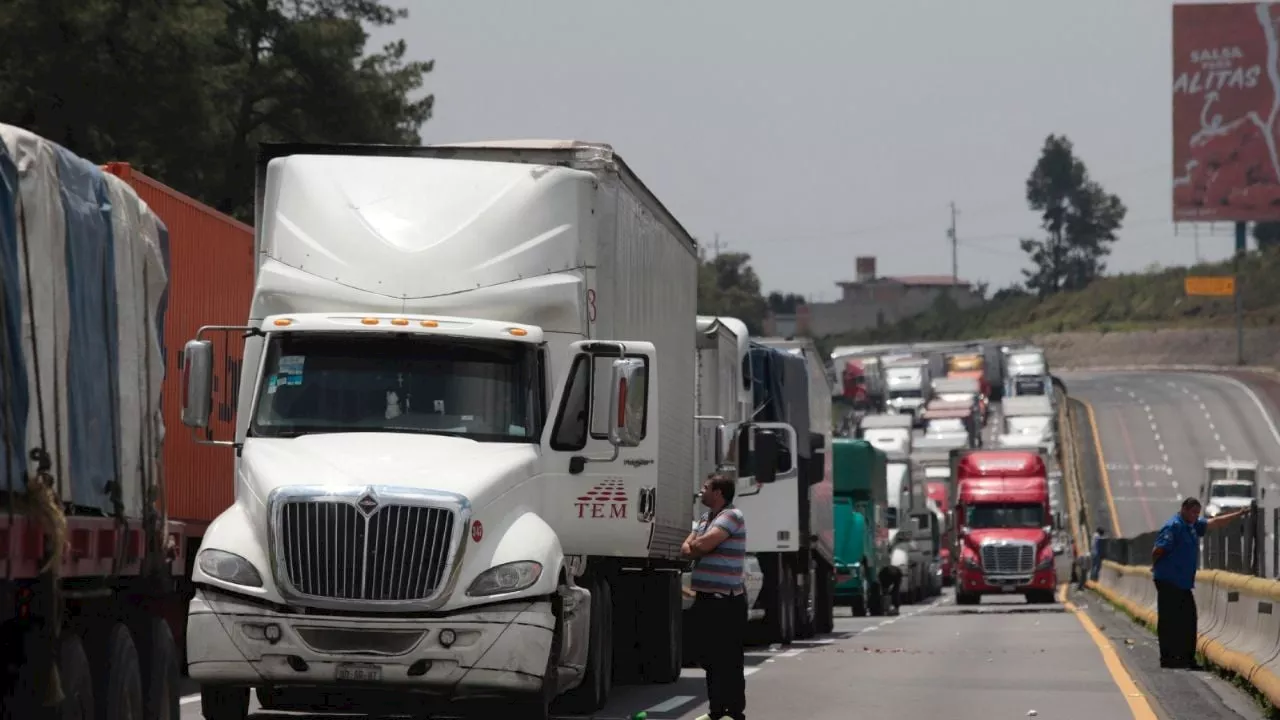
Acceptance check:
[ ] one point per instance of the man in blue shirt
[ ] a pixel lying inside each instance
(1098, 536)
(1174, 562)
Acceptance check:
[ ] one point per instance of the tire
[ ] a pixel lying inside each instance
(224, 703)
(76, 679)
(806, 605)
(875, 600)
(661, 648)
(596, 685)
(117, 676)
(782, 614)
(160, 672)
(825, 602)
(858, 606)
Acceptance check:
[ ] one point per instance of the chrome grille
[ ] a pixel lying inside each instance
(1009, 558)
(333, 550)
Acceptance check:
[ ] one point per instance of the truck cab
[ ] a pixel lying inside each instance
(862, 522)
(1004, 528)
(1028, 421)
(953, 421)
(907, 382)
(1229, 485)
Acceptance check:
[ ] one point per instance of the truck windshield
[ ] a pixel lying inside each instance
(1005, 515)
(489, 391)
(1025, 425)
(1231, 490)
(905, 394)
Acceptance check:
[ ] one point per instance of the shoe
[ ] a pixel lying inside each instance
(1194, 667)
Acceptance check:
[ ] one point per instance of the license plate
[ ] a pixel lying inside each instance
(1008, 588)
(359, 673)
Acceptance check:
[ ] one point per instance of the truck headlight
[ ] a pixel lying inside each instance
(229, 567)
(1212, 510)
(505, 578)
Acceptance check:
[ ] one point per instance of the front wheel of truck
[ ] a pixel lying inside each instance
(825, 601)
(597, 683)
(875, 600)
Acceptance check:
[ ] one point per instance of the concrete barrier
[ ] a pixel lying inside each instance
(1239, 618)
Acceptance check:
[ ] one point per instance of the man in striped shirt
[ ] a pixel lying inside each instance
(719, 547)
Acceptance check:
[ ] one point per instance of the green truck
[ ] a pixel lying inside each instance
(860, 487)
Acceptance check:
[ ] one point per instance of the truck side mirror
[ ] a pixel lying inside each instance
(766, 456)
(197, 383)
(1201, 493)
(627, 403)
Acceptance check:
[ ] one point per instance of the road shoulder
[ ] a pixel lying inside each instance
(1173, 694)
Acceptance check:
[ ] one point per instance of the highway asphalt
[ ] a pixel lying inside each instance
(1001, 659)
(1157, 429)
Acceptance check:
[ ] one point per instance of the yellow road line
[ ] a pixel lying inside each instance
(1138, 705)
(1102, 467)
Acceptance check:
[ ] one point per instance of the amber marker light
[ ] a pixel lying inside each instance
(430, 323)
(370, 321)
(399, 321)
(518, 332)
(283, 322)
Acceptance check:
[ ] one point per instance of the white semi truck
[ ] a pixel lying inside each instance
(791, 522)
(462, 467)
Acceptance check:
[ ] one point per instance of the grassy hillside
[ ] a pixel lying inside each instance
(1111, 304)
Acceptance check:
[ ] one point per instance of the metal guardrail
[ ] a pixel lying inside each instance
(1238, 546)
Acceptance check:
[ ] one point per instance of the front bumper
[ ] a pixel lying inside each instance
(500, 650)
(978, 583)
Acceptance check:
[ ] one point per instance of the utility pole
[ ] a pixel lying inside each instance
(955, 255)
(1242, 239)
(715, 247)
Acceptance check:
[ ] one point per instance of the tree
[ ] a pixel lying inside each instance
(1079, 218)
(727, 285)
(1267, 235)
(186, 89)
(784, 304)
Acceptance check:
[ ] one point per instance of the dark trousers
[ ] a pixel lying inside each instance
(722, 626)
(1176, 624)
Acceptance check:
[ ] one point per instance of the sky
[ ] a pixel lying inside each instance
(810, 134)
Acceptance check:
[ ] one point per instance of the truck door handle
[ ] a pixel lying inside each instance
(648, 501)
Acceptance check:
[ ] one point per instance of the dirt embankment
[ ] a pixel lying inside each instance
(1207, 346)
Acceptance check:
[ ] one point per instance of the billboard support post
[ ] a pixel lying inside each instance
(1241, 246)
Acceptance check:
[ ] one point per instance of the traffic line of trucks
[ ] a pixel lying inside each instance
(463, 416)
(946, 472)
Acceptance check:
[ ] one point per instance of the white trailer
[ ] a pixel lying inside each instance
(462, 464)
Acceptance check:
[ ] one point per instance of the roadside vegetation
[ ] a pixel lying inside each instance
(1117, 303)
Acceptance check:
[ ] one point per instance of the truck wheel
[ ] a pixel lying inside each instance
(825, 600)
(660, 647)
(806, 603)
(781, 615)
(593, 693)
(160, 673)
(75, 677)
(117, 675)
(224, 703)
(875, 599)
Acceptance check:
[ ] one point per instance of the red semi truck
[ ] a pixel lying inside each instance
(107, 496)
(1004, 531)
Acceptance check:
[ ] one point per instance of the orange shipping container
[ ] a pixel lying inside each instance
(210, 283)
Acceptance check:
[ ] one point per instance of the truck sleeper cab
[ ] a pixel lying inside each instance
(1004, 526)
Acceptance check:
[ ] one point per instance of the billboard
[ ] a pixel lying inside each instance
(1226, 102)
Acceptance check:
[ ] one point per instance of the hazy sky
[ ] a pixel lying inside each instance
(812, 134)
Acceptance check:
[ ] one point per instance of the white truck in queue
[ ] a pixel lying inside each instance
(462, 467)
(1027, 422)
(791, 522)
(887, 433)
(722, 395)
(907, 386)
(1230, 485)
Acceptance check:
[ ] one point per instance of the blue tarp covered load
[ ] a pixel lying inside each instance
(780, 390)
(82, 280)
